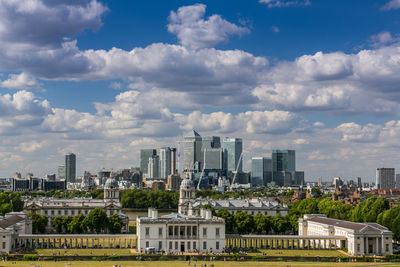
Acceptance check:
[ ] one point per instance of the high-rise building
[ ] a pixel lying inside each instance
(213, 158)
(232, 152)
(385, 178)
(70, 167)
(211, 142)
(153, 164)
(398, 181)
(61, 172)
(359, 182)
(319, 181)
(165, 159)
(145, 154)
(193, 156)
(173, 161)
(283, 160)
(261, 171)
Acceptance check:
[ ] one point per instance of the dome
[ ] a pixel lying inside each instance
(187, 183)
(111, 183)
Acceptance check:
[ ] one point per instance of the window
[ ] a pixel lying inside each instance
(194, 245)
(204, 231)
(387, 247)
(160, 231)
(147, 244)
(45, 212)
(147, 231)
(59, 212)
(4, 245)
(204, 245)
(170, 244)
(159, 245)
(358, 247)
(188, 245)
(176, 245)
(217, 245)
(52, 212)
(73, 212)
(217, 232)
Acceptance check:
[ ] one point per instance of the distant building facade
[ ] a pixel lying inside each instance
(70, 167)
(233, 148)
(385, 178)
(363, 239)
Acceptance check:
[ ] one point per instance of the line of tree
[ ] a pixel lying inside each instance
(97, 221)
(10, 202)
(142, 199)
(66, 194)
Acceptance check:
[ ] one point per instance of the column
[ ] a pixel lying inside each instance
(376, 246)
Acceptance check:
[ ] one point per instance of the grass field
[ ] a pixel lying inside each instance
(82, 252)
(184, 264)
(299, 252)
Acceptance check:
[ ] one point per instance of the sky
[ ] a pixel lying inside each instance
(103, 79)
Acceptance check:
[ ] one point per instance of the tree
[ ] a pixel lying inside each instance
(115, 224)
(316, 192)
(224, 214)
(369, 210)
(58, 224)
(17, 204)
(97, 220)
(5, 208)
(39, 223)
(334, 209)
(244, 222)
(78, 224)
(262, 223)
(391, 219)
(280, 224)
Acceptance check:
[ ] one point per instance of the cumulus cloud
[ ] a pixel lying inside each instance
(382, 39)
(20, 81)
(195, 32)
(285, 3)
(354, 132)
(391, 5)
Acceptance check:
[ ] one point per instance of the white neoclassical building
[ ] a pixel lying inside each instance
(53, 207)
(181, 232)
(252, 206)
(13, 224)
(362, 239)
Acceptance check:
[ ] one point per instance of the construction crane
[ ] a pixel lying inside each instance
(201, 176)
(237, 168)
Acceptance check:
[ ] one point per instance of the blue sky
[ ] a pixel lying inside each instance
(106, 78)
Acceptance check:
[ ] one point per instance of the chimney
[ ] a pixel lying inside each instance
(152, 213)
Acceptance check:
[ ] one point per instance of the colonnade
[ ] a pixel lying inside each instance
(284, 242)
(74, 241)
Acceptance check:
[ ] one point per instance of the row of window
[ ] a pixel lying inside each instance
(182, 248)
(69, 212)
(160, 231)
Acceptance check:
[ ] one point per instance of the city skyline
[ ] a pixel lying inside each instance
(106, 79)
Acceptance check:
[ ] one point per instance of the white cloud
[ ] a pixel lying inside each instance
(194, 32)
(383, 39)
(285, 3)
(354, 132)
(392, 5)
(20, 81)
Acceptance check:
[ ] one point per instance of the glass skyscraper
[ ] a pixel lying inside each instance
(232, 151)
(283, 160)
(145, 154)
(193, 156)
(261, 171)
(70, 167)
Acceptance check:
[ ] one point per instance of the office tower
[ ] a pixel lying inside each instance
(359, 182)
(164, 155)
(232, 152)
(385, 178)
(398, 181)
(283, 160)
(211, 142)
(153, 163)
(213, 158)
(337, 182)
(257, 171)
(70, 167)
(61, 172)
(193, 156)
(173, 161)
(319, 181)
(145, 154)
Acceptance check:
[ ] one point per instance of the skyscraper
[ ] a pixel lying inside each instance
(283, 160)
(193, 156)
(153, 164)
(61, 172)
(70, 167)
(145, 154)
(385, 178)
(398, 181)
(260, 171)
(232, 151)
(164, 155)
(211, 142)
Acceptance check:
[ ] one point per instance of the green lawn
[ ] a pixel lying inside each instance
(71, 252)
(184, 264)
(299, 252)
